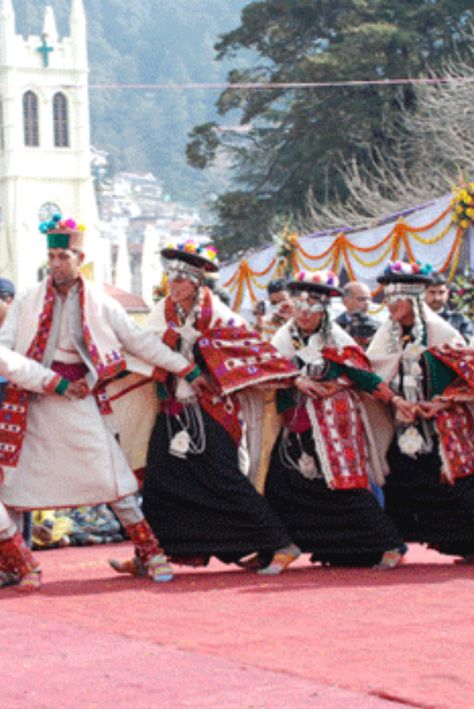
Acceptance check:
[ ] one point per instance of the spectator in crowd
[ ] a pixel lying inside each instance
(7, 293)
(279, 312)
(437, 298)
(355, 320)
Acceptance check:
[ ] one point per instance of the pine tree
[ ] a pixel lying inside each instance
(292, 140)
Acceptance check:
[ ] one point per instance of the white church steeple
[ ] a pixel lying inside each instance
(7, 29)
(50, 32)
(44, 138)
(79, 31)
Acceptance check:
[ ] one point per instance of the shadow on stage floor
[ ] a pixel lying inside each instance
(301, 578)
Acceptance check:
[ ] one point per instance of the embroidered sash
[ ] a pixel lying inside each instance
(337, 426)
(339, 438)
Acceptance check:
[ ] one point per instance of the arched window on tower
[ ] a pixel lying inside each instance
(30, 119)
(61, 121)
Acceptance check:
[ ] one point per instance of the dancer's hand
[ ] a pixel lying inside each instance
(430, 409)
(309, 387)
(201, 385)
(77, 390)
(405, 412)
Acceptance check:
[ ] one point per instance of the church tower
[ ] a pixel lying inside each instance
(44, 138)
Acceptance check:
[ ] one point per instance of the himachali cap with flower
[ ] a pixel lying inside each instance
(201, 259)
(63, 233)
(405, 278)
(316, 282)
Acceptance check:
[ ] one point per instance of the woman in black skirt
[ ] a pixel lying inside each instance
(195, 495)
(321, 465)
(429, 492)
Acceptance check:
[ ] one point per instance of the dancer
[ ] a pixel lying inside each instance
(195, 496)
(65, 453)
(429, 493)
(318, 481)
(17, 564)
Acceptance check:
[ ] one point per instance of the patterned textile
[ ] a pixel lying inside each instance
(456, 424)
(350, 356)
(146, 544)
(459, 359)
(340, 442)
(14, 410)
(12, 424)
(456, 442)
(237, 358)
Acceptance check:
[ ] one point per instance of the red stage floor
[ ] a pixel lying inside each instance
(312, 638)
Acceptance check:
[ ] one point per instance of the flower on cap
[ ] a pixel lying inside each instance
(57, 222)
(409, 268)
(190, 246)
(323, 278)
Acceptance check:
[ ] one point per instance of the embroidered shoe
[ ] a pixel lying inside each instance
(391, 559)
(159, 569)
(281, 561)
(133, 566)
(8, 579)
(30, 582)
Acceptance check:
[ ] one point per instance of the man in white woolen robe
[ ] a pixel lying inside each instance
(66, 453)
(17, 563)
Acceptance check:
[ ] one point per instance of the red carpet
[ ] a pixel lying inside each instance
(322, 638)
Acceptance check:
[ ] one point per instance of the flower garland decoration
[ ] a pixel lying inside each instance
(462, 205)
(286, 244)
(161, 291)
(462, 293)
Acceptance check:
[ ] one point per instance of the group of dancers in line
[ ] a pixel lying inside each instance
(398, 415)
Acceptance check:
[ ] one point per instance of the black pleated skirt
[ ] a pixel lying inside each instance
(204, 505)
(340, 527)
(425, 509)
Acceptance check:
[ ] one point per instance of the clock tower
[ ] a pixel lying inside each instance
(44, 139)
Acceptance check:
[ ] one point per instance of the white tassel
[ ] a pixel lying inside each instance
(307, 466)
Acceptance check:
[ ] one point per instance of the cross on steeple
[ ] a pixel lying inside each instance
(44, 50)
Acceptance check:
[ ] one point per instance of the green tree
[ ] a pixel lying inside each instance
(292, 140)
(147, 42)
